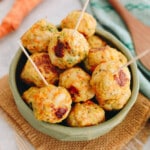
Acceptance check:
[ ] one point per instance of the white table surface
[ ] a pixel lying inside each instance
(54, 11)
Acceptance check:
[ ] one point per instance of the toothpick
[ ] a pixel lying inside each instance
(83, 10)
(35, 67)
(133, 60)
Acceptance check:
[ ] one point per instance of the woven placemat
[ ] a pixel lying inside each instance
(133, 131)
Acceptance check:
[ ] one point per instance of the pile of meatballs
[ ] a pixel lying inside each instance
(80, 68)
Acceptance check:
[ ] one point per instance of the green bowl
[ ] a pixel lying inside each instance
(62, 132)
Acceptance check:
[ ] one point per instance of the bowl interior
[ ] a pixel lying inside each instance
(61, 131)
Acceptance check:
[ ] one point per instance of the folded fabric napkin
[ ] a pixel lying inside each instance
(108, 19)
(125, 135)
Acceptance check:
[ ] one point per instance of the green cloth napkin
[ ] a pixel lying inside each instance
(108, 19)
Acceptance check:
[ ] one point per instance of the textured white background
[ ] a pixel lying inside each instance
(54, 11)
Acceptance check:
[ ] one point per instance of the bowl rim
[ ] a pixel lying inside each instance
(77, 133)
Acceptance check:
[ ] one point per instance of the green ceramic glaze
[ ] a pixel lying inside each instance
(62, 132)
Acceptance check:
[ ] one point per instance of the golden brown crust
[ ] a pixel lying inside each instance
(103, 54)
(77, 82)
(37, 38)
(96, 41)
(87, 25)
(67, 48)
(50, 104)
(43, 63)
(85, 114)
(112, 90)
(29, 95)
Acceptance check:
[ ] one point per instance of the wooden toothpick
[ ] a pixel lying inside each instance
(35, 67)
(133, 60)
(83, 10)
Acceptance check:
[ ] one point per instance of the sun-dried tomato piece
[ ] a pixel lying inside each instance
(121, 78)
(60, 112)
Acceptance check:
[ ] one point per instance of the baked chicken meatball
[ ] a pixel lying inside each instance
(36, 38)
(87, 25)
(30, 76)
(85, 114)
(103, 54)
(50, 103)
(67, 48)
(77, 82)
(29, 95)
(96, 41)
(112, 87)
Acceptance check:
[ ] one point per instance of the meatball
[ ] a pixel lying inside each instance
(28, 95)
(85, 114)
(96, 42)
(87, 25)
(76, 81)
(103, 54)
(37, 38)
(50, 104)
(67, 48)
(112, 87)
(43, 63)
